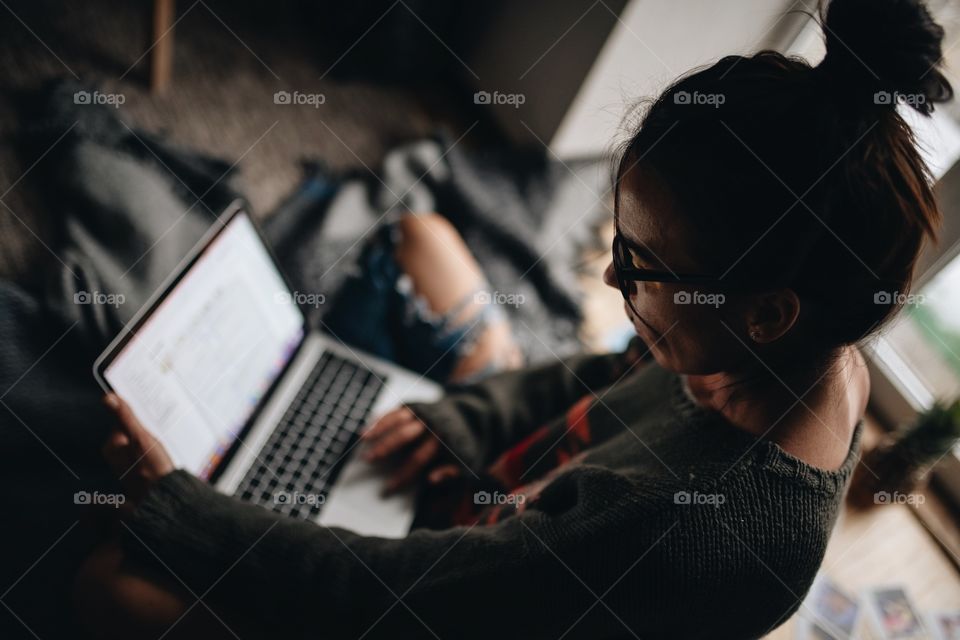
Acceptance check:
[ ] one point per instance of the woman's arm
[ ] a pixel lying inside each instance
(302, 580)
(480, 421)
(204, 564)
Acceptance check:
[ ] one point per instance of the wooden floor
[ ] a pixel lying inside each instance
(888, 546)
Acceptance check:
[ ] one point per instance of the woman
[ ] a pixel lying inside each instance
(686, 488)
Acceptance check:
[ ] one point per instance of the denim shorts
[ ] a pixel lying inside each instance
(378, 311)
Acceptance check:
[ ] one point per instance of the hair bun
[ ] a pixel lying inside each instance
(889, 49)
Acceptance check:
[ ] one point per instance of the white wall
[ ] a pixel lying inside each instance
(654, 42)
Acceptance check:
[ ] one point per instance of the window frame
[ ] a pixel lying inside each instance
(893, 400)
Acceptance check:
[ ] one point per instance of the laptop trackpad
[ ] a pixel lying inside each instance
(356, 503)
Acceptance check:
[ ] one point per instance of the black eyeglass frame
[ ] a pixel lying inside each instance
(626, 275)
(632, 274)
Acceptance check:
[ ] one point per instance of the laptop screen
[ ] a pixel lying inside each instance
(200, 364)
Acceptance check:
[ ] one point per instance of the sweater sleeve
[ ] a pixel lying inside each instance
(480, 421)
(304, 579)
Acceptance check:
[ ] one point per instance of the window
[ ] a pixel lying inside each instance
(917, 359)
(922, 347)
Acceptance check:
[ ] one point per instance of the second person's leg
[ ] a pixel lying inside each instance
(444, 275)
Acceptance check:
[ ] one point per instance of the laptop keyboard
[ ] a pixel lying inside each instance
(301, 459)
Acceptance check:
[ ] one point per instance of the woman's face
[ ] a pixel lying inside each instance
(690, 329)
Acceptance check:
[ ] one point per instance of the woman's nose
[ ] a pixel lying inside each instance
(610, 276)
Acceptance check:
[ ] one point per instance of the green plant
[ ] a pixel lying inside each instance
(934, 433)
(902, 459)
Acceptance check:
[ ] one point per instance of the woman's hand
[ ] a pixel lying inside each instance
(402, 437)
(138, 459)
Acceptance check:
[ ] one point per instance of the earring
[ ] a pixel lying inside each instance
(755, 335)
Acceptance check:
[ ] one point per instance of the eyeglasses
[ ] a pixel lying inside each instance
(627, 273)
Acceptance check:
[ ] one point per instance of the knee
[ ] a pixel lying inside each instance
(111, 601)
(419, 229)
(93, 592)
(436, 258)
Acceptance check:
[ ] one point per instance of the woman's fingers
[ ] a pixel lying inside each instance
(443, 473)
(117, 440)
(116, 451)
(413, 465)
(141, 449)
(387, 422)
(401, 430)
(128, 421)
(397, 438)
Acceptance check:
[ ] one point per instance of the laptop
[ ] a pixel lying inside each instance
(222, 368)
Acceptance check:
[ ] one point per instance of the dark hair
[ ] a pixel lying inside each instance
(808, 177)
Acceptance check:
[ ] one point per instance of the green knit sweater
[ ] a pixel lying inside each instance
(645, 516)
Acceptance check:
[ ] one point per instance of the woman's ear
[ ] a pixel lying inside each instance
(772, 315)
